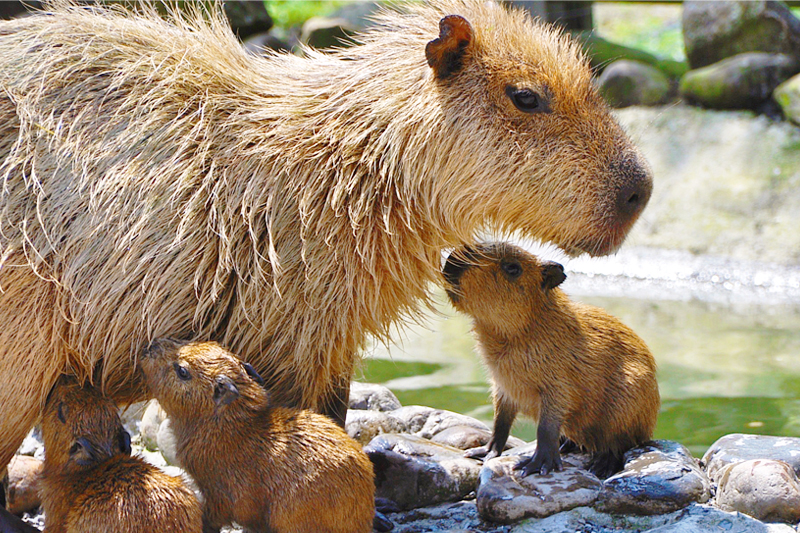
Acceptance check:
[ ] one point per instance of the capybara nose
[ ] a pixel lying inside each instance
(633, 195)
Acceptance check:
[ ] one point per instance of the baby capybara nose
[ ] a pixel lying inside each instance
(633, 195)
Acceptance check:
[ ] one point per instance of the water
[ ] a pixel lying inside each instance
(725, 334)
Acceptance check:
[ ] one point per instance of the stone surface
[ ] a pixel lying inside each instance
(787, 96)
(764, 489)
(363, 425)
(466, 437)
(167, 444)
(415, 472)
(323, 32)
(738, 447)
(715, 30)
(658, 477)
(148, 426)
(32, 445)
(744, 81)
(506, 497)
(24, 473)
(372, 397)
(258, 43)
(625, 83)
(131, 416)
(459, 517)
(440, 420)
(602, 52)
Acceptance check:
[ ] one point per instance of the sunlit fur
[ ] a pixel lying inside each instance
(266, 468)
(110, 491)
(597, 375)
(155, 180)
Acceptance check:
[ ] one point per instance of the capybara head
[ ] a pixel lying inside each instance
(501, 283)
(543, 152)
(81, 427)
(200, 379)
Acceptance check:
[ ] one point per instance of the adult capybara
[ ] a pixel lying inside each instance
(575, 369)
(294, 471)
(159, 181)
(91, 484)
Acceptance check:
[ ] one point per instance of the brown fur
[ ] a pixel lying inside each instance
(91, 484)
(266, 468)
(595, 376)
(159, 181)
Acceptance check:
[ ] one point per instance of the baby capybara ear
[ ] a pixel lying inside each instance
(552, 275)
(225, 391)
(255, 376)
(445, 54)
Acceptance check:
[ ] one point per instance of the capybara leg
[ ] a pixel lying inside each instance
(12, 524)
(547, 458)
(504, 414)
(568, 446)
(335, 403)
(605, 464)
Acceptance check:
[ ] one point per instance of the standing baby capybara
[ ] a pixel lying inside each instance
(575, 369)
(91, 484)
(293, 471)
(159, 181)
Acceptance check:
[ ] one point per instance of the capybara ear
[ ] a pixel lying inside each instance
(552, 275)
(445, 54)
(255, 376)
(225, 391)
(125, 442)
(61, 412)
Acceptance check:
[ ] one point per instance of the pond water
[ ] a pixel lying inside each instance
(726, 336)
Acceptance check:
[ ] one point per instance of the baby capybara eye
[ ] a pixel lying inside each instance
(183, 372)
(511, 269)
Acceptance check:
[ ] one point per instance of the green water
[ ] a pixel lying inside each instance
(721, 369)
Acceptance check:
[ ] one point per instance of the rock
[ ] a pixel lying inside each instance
(440, 420)
(131, 416)
(787, 96)
(658, 477)
(24, 473)
(466, 437)
(415, 472)
(148, 427)
(357, 14)
(625, 83)
(258, 43)
(738, 447)
(373, 397)
(506, 497)
(744, 81)
(713, 31)
(412, 417)
(167, 443)
(363, 426)
(602, 52)
(322, 32)
(246, 17)
(443, 518)
(32, 445)
(764, 489)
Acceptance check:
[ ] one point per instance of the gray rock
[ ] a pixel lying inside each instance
(32, 445)
(459, 517)
(658, 477)
(372, 397)
(148, 426)
(440, 420)
(363, 426)
(764, 489)
(787, 96)
(715, 30)
(415, 472)
(738, 447)
(131, 416)
(625, 83)
(744, 81)
(506, 497)
(466, 437)
(322, 32)
(247, 17)
(258, 43)
(412, 417)
(167, 444)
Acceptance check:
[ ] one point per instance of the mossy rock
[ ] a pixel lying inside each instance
(602, 52)
(787, 95)
(625, 83)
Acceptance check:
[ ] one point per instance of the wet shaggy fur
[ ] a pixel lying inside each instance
(267, 468)
(91, 484)
(573, 368)
(155, 180)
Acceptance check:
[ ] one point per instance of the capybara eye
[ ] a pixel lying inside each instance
(526, 100)
(512, 269)
(75, 448)
(182, 372)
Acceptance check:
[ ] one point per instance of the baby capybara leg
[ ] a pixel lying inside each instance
(605, 464)
(547, 457)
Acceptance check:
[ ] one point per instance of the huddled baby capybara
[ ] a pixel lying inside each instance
(575, 369)
(91, 484)
(267, 468)
(158, 180)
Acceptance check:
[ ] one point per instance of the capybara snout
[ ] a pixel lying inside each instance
(635, 188)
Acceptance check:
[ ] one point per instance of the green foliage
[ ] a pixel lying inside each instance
(290, 13)
(382, 370)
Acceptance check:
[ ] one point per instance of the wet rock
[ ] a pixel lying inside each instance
(787, 96)
(372, 397)
(148, 427)
(167, 444)
(322, 32)
(363, 426)
(247, 17)
(764, 489)
(445, 518)
(713, 31)
(658, 477)
(415, 472)
(24, 473)
(738, 447)
(744, 81)
(256, 44)
(625, 83)
(506, 497)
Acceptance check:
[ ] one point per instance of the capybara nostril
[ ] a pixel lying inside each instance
(633, 195)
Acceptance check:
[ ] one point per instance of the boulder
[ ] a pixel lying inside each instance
(744, 81)
(738, 447)
(787, 96)
(24, 474)
(713, 31)
(167, 443)
(148, 426)
(364, 425)
(372, 397)
(625, 83)
(762, 488)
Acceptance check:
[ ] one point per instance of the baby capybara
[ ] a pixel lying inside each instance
(91, 484)
(267, 468)
(576, 370)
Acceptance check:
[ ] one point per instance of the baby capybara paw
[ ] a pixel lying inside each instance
(542, 463)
